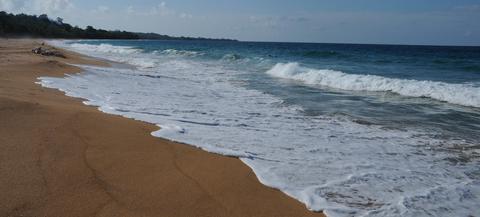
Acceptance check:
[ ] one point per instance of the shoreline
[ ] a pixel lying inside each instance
(56, 164)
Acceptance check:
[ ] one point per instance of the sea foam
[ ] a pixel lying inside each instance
(174, 52)
(105, 48)
(332, 164)
(461, 94)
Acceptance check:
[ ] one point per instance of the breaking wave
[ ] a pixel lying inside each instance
(461, 94)
(105, 48)
(174, 52)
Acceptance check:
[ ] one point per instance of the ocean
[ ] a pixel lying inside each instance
(353, 130)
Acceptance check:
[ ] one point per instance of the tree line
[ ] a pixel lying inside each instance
(23, 25)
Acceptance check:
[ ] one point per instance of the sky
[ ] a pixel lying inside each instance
(430, 22)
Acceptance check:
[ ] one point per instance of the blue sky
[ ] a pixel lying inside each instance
(443, 22)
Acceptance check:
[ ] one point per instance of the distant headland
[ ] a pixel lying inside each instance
(23, 25)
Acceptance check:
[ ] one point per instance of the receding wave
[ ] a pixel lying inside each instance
(335, 164)
(105, 48)
(462, 94)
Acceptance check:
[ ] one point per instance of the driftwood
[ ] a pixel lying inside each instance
(47, 52)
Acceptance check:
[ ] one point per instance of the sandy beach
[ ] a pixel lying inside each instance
(59, 157)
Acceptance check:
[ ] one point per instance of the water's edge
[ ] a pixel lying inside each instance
(240, 156)
(280, 117)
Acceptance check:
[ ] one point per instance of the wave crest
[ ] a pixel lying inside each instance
(174, 52)
(461, 94)
(105, 48)
(231, 57)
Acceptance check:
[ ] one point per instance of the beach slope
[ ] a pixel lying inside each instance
(59, 157)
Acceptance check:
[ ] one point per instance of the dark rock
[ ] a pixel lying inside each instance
(47, 52)
(36, 50)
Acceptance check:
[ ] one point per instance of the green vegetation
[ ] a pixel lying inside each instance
(22, 25)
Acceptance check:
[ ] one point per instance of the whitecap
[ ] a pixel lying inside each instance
(461, 94)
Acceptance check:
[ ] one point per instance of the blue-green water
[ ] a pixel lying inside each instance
(374, 130)
(450, 65)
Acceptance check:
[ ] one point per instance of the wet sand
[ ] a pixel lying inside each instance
(59, 157)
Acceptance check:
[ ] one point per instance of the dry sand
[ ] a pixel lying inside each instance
(61, 158)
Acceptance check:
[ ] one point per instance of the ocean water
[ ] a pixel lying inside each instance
(353, 130)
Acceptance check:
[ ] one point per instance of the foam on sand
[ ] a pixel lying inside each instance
(105, 48)
(331, 164)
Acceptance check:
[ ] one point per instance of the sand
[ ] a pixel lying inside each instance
(59, 157)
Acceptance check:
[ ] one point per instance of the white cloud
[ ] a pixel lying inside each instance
(51, 6)
(101, 9)
(6, 5)
(130, 10)
(162, 10)
(265, 21)
(36, 6)
(11, 5)
(186, 16)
